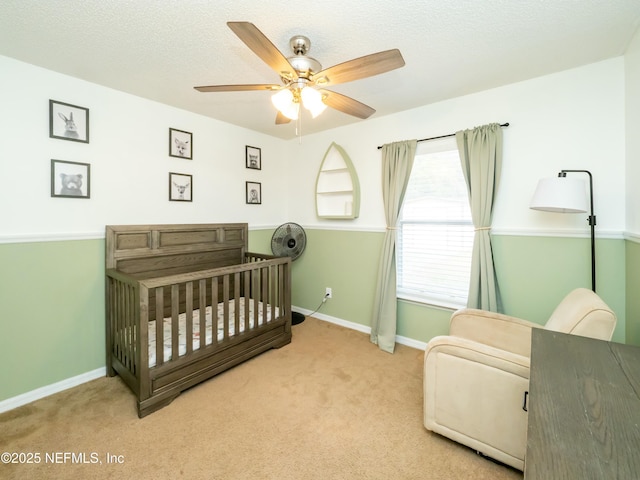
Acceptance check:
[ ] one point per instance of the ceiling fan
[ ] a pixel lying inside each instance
(304, 80)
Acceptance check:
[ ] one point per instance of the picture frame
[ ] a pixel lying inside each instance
(68, 122)
(180, 187)
(253, 193)
(180, 144)
(253, 157)
(70, 179)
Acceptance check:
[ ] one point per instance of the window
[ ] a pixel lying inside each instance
(435, 231)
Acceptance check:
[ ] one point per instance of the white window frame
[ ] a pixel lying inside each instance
(452, 298)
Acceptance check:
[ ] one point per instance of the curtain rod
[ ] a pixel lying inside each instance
(449, 135)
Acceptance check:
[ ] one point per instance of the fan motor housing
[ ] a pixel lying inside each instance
(289, 239)
(304, 65)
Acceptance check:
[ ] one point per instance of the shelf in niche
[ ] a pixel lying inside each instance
(335, 192)
(337, 186)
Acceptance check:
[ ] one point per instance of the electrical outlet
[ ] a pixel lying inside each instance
(328, 293)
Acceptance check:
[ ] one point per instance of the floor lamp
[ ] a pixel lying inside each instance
(567, 195)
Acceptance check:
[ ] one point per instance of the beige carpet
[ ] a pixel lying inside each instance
(328, 406)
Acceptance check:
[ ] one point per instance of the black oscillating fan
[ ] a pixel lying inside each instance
(289, 240)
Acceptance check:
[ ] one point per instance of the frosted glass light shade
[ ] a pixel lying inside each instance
(560, 194)
(284, 102)
(312, 101)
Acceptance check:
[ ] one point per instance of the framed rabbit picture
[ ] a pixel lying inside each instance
(68, 122)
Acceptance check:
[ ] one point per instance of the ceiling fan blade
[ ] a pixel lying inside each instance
(346, 104)
(281, 119)
(361, 67)
(263, 48)
(237, 88)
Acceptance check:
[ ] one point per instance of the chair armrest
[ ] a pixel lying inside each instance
(473, 351)
(494, 329)
(474, 393)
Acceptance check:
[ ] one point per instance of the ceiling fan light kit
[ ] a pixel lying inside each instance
(312, 101)
(300, 74)
(285, 103)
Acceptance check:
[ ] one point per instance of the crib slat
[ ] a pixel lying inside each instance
(128, 329)
(265, 293)
(214, 310)
(125, 325)
(118, 328)
(141, 337)
(116, 323)
(274, 292)
(236, 301)
(246, 282)
(255, 294)
(281, 288)
(159, 326)
(189, 314)
(225, 300)
(202, 289)
(175, 322)
(132, 334)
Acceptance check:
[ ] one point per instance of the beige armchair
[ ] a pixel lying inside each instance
(475, 378)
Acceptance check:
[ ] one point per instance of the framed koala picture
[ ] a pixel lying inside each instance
(70, 179)
(180, 144)
(254, 193)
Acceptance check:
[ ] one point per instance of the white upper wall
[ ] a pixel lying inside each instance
(632, 84)
(130, 163)
(570, 120)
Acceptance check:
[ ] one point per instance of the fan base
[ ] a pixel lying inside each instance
(297, 318)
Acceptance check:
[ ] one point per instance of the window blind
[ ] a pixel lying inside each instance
(435, 231)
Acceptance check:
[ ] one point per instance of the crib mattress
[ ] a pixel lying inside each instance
(182, 320)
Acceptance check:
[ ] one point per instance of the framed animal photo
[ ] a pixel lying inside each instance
(68, 122)
(180, 144)
(70, 179)
(254, 193)
(254, 159)
(180, 187)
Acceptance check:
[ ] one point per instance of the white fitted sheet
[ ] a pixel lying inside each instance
(182, 319)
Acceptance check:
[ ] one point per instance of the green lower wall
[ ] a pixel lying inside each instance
(341, 260)
(52, 313)
(534, 274)
(632, 288)
(52, 293)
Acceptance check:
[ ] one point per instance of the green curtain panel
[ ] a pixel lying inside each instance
(397, 161)
(481, 156)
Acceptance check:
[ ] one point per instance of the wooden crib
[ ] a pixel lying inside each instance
(164, 281)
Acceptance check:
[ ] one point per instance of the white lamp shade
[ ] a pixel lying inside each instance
(284, 102)
(560, 194)
(312, 101)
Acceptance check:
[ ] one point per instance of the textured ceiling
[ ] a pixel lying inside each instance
(161, 49)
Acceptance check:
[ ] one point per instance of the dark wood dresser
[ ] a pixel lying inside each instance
(584, 409)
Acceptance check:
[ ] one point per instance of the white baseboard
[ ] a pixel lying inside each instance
(409, 342)
(38, 393)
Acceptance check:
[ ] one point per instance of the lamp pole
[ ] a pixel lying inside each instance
(592, 223)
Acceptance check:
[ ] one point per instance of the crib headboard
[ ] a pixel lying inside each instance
(157, 250)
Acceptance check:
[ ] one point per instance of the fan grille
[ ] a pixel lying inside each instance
(288, 240)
